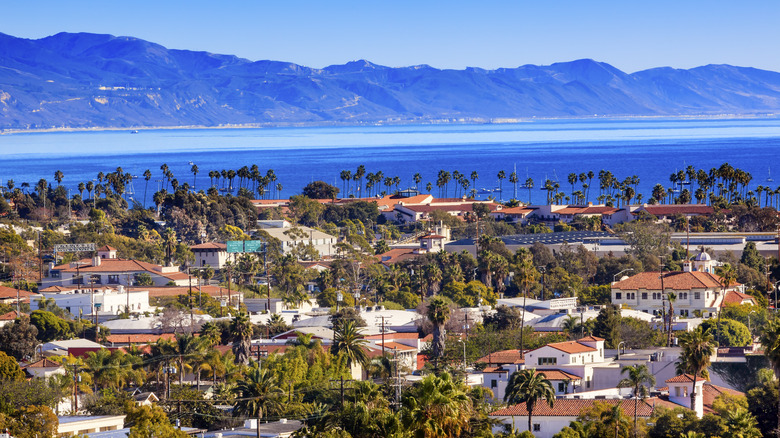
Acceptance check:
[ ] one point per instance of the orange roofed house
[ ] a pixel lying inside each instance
(108, 269)
(697, 288)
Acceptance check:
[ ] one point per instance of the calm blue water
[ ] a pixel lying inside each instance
(651, 149)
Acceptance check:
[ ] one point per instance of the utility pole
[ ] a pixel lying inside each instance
(383, 333)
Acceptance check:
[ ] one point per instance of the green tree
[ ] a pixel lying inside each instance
(348, 342)
(19, 338)
(770, 341)
(529, 386)
(241, 332)
(638, 379)
(320, 190)
(741, 424)
(436, 407)
(9, 369)
(697, 347)
(438, 313)
(732, 333)
(50, 326)
(607, 325)
(258, 395)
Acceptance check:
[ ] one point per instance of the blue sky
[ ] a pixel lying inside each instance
(490, 34)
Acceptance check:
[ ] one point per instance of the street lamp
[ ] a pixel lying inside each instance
(614, 277)
(542, 269)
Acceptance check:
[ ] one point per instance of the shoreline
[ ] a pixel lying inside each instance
(474, 121)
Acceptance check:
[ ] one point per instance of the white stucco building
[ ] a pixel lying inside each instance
(213, 254)
(106, 301)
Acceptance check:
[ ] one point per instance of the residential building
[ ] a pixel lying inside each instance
(547, 421)
(108, 269)
(43, 369)
(103, 301)
(213, 254)
(81, 425)
(574, 358)
(698, 290)
(295, 237)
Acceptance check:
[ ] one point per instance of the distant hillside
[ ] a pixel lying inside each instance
(87, 80)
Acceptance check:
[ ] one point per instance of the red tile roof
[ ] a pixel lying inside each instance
(210, 246)
(390, 336)
(515, 210)
(139, 338)
(571, 347)
(503, 357)
(10, 316)
(10, 293)
(585, 210)
(466, 206)
(711, 392)
(591, 338)
(43, 363)
(558, 375)
(735, 297)
(396, 345)
(568, 407)
(396, 255)
(107, 248)
(121, 265)
(682, 378)
(674, 209)
(672, 280)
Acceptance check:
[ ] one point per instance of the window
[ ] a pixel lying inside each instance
(618, 296)
(537, 427)
(94, 279)
(644, 295)
(76, 280)
(684, 312)
(561, 386)
(676, 391)
(697, 295)
(494, 383)
(547, 361)
(113, 279)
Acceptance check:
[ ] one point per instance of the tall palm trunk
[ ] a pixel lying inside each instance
(530, 407)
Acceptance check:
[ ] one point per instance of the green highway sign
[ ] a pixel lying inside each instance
(239, 246)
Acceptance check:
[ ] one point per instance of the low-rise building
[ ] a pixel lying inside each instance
(108, 269)
(105, 301)
(212, 254)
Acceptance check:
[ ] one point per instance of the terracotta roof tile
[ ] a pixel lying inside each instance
(395, 345)
(567, 407)
(210, 246)
(676, 280)
(43, 363)
(503, 357)
(591, 338)
(735, 297)
(674, 209)
(10, 293)
(139, 338)
(10, 316)
(711, 392)
(571, 347)
(558, 375)
(682, 378)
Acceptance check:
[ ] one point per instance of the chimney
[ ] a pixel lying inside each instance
(95, 261)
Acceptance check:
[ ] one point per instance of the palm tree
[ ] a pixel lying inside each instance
(258, 395)
(741, 424)
(638, 376)
(348, 340)
(770, 342)
(527, 386)
(438, 312)
(241, 331)
(614, 416)
(697, 347)
(437, 407)
(58, 176)
(194, 169)
(188, 348)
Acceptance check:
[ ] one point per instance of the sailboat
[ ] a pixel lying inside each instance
(769, 175)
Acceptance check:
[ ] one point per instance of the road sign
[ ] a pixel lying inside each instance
(238, 246)
(74, 247)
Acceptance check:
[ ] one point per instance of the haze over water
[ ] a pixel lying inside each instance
(540, 149)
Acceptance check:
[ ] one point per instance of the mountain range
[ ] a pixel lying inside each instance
(82, 80)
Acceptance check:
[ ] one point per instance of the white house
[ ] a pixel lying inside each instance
(546, 421)
(293, 237)
(81, 425)
(105, 301)
(576, 358)
(107, 269)
(213, 254)
(44, 368)
(697, 288)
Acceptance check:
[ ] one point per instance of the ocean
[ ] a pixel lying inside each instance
(651, 149)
